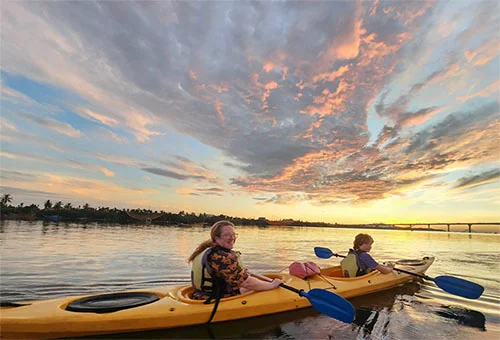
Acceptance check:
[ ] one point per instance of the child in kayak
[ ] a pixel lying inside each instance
(358, 262)
(217, 270)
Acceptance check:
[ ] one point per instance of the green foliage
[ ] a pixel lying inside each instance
(68, 213)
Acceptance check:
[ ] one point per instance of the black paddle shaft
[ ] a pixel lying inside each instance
(295, 290)
(416, 274)
(265, 278)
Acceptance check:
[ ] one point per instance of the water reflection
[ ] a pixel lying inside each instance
(365, 319)
(375, 313)
(372, 311)
(263, 327)
(463, 316)
(46, 261)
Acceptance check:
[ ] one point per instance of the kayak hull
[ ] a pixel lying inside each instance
(174, 308)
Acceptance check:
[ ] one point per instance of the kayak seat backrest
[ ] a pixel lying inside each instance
(186, 293)
(332, 271)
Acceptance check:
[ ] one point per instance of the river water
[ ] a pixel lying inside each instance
(40, 261)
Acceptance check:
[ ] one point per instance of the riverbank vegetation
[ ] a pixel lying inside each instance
(60, 211)
(66, 212)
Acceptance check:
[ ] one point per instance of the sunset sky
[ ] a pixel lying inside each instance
(348, 112)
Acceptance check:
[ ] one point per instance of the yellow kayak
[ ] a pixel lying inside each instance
(168, 307)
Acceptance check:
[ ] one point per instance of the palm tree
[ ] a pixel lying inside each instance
(48, 204)
(6, 198)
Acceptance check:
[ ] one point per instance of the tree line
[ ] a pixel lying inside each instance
(68, 213)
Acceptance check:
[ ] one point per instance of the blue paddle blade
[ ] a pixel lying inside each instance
(323, 253)
(330, 304)
(460, 287)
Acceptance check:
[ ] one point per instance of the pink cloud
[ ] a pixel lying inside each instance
(488, 91)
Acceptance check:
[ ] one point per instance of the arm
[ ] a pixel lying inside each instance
(383, 269)
(231, 271)
(370, 262)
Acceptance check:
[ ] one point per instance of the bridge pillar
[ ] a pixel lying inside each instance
(448, 228)
(429, 226)
(470, 227)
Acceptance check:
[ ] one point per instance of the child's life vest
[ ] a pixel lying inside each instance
(352, 266)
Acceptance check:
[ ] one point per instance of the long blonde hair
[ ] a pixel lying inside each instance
(215, 231)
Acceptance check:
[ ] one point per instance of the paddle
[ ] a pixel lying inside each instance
(325, 302)
(450, 284)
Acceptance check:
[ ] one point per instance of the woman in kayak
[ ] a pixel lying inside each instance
(217, 270)
(358, 262)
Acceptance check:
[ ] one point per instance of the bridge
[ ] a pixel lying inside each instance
(469, 224)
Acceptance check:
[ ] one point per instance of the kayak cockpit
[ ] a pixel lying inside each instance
(185, 293)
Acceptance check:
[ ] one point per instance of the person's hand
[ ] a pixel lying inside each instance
(276, 282)
(390, 264)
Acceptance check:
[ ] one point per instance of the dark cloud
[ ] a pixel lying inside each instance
(282, 199)
(16, 175)
(209, 191)
(171, 174)
(480, 179)
(27, 193)
(280, 88)
(260, 198)
(53, 124)
(216, 42)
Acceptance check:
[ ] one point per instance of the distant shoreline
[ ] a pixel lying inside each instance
(208, 225)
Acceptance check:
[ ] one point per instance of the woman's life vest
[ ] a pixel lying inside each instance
(204, 279)
(352, 266)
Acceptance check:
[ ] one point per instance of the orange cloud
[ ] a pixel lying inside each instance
(220, 87)
(419, 117)
(483, 53)
(267, 92)
(107, 172)
(330, 103)
(139, 123)
(268, 66)
(346, 48)
(103, 119)
(330, 76)
(218, 108)
(488, 91)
